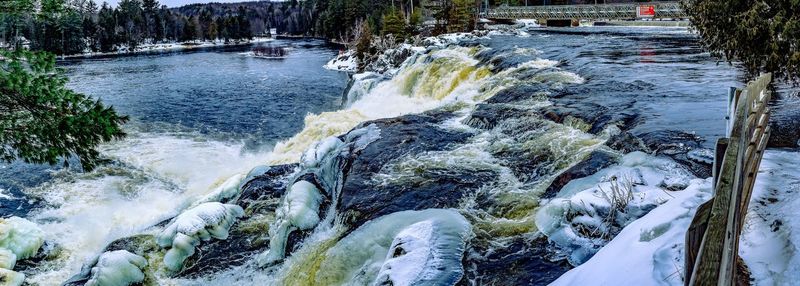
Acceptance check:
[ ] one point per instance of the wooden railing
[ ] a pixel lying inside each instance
(712, 240)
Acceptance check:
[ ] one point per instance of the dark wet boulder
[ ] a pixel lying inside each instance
(501, 59)
(626, 142)
(272, 184)
(519, 93)
(363, 198)
(521, 261)
(596, 161)
(596, 116)
(486, 116)
(246, 239)
(677, 145)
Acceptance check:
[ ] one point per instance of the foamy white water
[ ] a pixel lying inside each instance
(157, 176)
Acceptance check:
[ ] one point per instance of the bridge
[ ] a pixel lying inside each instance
(627, 11)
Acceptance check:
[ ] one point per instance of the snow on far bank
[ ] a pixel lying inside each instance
(172, 46)
(650, 250)
(345, 61)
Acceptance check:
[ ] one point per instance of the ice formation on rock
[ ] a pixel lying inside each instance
(404, 248)
(300, 207)
(299, 210)
(117, 268)
(7, 259)
(11, 278)
(202, 222)
(228, 190)
(21, 237)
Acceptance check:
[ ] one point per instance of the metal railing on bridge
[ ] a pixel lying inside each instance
(587, 12)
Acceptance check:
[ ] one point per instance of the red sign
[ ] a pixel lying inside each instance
(646, 11)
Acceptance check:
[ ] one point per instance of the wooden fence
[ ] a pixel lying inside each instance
(712, 240)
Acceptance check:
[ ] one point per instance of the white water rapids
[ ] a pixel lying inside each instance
(157, 175)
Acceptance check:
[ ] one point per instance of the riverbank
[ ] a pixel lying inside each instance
(173, 46)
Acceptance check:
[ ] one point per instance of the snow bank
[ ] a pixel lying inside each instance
(770, 241)
(346, 62)
(21, 237)
(201, 222)
(170, 46)
(404, 248)
(649, 251)
(117, 268)
(588, 212)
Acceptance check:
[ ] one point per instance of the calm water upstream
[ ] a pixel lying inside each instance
(200, 117)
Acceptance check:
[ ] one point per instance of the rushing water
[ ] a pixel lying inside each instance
(201, 117)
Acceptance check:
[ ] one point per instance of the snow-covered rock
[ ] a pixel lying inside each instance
(403, 248)
(200, 223)
(445, 40)
(21, 237)
(117, 268)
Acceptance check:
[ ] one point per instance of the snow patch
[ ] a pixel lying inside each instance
(770, 241)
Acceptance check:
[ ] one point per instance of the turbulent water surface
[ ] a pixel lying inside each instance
(202, 117)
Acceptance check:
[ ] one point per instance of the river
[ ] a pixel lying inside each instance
(201, 117)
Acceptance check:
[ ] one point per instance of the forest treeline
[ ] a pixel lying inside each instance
(75, 26)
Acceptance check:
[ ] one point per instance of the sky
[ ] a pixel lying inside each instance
(174, 3)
